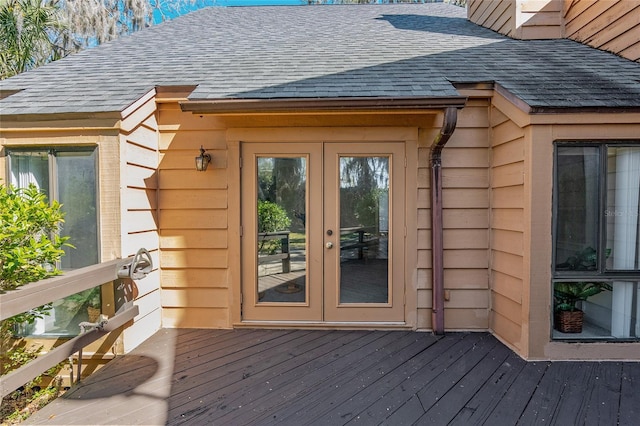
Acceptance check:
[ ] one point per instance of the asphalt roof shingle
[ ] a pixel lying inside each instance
(404, 50)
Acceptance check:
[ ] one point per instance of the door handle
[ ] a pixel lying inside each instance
(329, 245)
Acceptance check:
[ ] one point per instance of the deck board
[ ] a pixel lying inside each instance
(324, 377)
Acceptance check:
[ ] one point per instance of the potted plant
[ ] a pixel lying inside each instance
(88, 300)
(568, 318)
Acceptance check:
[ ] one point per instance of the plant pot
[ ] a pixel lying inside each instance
(569, 321)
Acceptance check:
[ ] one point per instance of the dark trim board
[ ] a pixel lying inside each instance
(324, 377)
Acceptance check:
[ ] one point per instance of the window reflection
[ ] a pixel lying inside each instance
(281, 215)
(364, 229)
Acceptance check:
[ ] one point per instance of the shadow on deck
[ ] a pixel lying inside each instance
(300, 377)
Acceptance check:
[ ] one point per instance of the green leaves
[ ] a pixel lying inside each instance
(27, 32)
(272, 217)
(29, 243)
(567, 294)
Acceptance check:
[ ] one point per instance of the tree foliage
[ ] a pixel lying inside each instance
(29, 32)
(34, 32)
(29, 250)
(29, 243)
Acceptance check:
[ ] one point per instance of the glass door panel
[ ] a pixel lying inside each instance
(281, 267)
(323, 232)
(364, 232)
(281, 232)
(364, 229)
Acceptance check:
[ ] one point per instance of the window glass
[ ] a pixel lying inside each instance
(622, 212)
(30, 168)
(597, 194)
(68, 176)
(596, 310)
(577, 208)
(76, 180)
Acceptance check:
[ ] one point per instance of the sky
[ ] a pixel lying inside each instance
(170, 13)
(257, 2)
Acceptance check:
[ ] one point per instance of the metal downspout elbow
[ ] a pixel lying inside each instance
(437, 247)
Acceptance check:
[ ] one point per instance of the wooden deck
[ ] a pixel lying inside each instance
(300, 377)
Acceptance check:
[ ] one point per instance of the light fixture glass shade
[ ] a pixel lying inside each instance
(202, 160)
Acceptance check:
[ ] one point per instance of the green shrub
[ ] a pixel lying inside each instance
(29, 243)
(29, 250)
(271, 218)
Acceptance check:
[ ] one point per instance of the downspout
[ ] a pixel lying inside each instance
(437, 248)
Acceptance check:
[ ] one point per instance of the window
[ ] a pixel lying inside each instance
(596, 266)
(69, 176)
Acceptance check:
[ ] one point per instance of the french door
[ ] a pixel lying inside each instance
(323, 232)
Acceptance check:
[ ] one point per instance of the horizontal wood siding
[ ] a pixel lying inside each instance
(536, 19)
(193, 221)
(611, 25)
(507, 226)
(139, 182)
(465, 177)
(522, 19)
(498, 15)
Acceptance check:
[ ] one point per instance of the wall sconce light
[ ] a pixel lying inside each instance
(202, 160)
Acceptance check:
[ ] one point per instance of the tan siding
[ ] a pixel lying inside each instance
(507, 286)
(189, 178)
(507, 225)
(193, 213)
(194, 238)
(522, 19)
(195, 317)
(465, 180)
(194, 258)
(499, 15)
(506, 330)
(466, 319)
(139, 203)
(466, 278)
(465, 239)
(508, 241)
(194, 298)
(537, 19)
(466, 218)
(611, 25)
(508, 219)
(507, 175)
(507, 263)
(197, 278)
(198, 199)
(193, 219)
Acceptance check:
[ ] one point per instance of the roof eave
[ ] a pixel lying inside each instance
(309, 105)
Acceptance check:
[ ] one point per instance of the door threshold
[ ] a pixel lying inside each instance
(323, 325)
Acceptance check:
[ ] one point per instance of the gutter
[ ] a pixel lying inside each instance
(437, 247)
(310, 105)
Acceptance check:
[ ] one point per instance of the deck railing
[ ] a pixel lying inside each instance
(39, 293)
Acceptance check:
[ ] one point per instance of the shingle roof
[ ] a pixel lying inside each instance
(402, 50)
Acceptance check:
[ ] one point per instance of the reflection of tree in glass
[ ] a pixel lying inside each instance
(77, 193)
(283, 181)
(363, 181)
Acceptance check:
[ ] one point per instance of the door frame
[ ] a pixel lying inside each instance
(417, 281)
(393, 309)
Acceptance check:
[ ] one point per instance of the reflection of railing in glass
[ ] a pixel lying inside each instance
(281, 231)
(364, 229)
